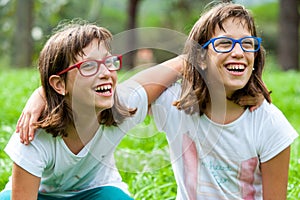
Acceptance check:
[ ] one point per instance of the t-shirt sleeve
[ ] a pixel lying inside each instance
(31, 157)
(133, 95)
(163, 109)
(277, 134)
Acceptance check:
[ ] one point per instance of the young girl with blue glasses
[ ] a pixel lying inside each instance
(219, 149)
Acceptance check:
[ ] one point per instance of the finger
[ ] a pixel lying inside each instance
(253, 108)
(32, 127)
(18, 123)
(19, 128)
(25, 128)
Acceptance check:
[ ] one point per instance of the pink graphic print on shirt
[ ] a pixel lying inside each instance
(190, 166)
(247, 178)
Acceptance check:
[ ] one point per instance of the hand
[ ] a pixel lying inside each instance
(253, 102)
(30, 114)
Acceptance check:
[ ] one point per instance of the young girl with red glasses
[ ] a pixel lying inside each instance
(86, 116)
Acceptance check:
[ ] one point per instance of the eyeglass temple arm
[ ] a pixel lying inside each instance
(206, 44)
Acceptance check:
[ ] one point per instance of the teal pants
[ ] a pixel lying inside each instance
(105, 193)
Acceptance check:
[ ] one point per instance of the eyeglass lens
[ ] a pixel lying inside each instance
(227, 44)
(89, 68)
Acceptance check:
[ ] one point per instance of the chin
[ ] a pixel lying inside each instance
(104, 105)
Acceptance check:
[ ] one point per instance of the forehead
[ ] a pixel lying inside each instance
(232, 25)
(94, 50)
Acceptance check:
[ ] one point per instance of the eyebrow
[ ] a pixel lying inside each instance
(93, 58)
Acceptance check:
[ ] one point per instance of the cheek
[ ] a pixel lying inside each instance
(251, 59)
(114, 77)
(214, 58)
(77, 84)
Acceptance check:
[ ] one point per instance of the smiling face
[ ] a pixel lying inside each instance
(95, 91)
(234, 68)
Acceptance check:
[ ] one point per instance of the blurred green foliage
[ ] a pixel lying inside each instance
(173, 14)
(266, 18)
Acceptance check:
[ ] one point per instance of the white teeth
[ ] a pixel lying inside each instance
(103, 87)
(235, 67)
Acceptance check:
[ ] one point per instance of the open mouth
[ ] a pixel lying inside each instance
(235, 68)
(104, 89)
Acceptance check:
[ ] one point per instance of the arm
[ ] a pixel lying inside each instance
(153, 84)
(156, 79)
(275, 176)
(24, 185)
(30, 114)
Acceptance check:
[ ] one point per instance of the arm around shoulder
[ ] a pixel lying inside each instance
(30, 114)
(156, 79)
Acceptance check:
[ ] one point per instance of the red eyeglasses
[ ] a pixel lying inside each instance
(91, 67)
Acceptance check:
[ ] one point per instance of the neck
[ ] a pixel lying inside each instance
(221, 110)
(84, 128)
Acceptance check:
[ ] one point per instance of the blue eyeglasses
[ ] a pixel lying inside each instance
(226, 44)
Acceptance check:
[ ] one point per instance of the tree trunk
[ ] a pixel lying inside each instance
(132, 16)
(289, 35)
(22, 44)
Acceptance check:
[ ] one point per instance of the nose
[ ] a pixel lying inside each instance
(237, 50)
(103, 71)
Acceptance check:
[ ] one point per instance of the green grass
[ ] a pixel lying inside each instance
(143, 160)
(16, 86)
(285, 94)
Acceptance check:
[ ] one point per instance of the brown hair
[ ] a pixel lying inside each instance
(195, 94)
(60, 50)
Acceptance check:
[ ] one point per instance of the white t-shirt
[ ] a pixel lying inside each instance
(217, 161)
(64, 173)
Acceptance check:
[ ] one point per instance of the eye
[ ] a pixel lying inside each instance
(88, 66)
(223, 42)
(248, 43)
(109, 62)
(112, 63)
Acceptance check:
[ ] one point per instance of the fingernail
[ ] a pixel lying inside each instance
(30, 138)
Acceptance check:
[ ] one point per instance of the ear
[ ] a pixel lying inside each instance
(202, 58)
(58, 84)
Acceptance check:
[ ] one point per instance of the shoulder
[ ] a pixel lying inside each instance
(271, 119)
(273, 131)
(42, 142)
(171, 94)
(269, 111)
(164, 112)
(35, 156)
(164, 103)
(131, 93)
(40, 137)
(269, 107)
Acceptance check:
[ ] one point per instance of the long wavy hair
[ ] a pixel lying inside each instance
(195, 94)
(61, 49)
